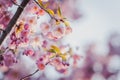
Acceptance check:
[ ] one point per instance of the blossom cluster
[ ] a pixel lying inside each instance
(5, 15)
(41, 42)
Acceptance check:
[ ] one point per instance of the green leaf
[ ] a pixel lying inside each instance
(63, 56)
(40, 3)
(46, 5)
(56, 49)
(51, 12)
(52, 50)
(66, 23)
(59, 12)
(53, 55)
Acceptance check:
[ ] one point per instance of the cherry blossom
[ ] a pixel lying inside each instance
(25, 35)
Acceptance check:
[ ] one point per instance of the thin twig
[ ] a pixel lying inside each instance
(16, 4)
(46, 11)
(33, 72)
(29, 75)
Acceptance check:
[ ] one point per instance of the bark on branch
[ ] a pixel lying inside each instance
(13, 20)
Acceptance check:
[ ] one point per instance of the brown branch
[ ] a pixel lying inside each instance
(33, 73)
(13, 20)
(29, 75)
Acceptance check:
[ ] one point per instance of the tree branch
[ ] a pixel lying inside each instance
(16, 4)
(29, 75)
(13, 20)
(46, 11)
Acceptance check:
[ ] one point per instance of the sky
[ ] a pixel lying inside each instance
(99, 19)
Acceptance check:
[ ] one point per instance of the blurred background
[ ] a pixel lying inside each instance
(97, 34)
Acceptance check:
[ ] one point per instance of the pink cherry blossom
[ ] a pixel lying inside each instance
(58, 32)
(45, 28)
(9, 58)
(29, 52)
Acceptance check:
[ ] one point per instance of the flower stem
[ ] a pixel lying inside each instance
(29, 75)
(46, 11)
(16, 4)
